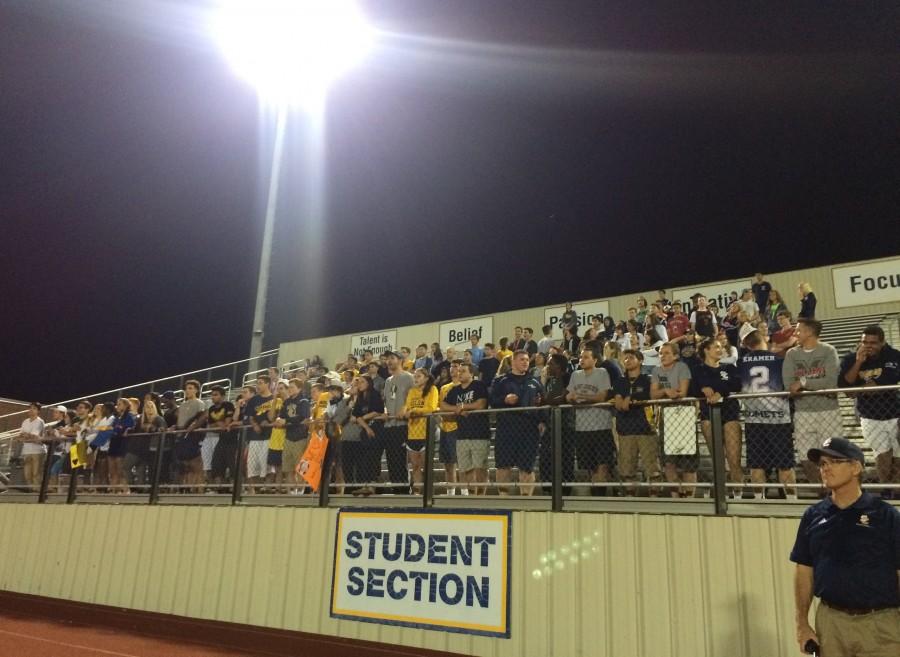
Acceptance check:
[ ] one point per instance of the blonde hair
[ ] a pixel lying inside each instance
(805, 287)
(147, 406)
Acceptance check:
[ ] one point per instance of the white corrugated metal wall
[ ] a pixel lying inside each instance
(335, 348)
(643, 585)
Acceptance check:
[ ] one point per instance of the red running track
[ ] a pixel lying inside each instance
(29, 637)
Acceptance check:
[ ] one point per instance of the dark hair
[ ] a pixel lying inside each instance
(429, 381)
(873, 329)
(192, 382)
(423, 345)
(815, 326)
(504, 342)
(634, 352)
(219, 389)
(783, 313)
(84, 402)
(592, 348)
(264, 377)
(250, 389)
(488, 345)
(457, 361)
(609, 322)
(35, 405)
(438, 354)
(560, 361)
(546, 329)
(521, 351)
(529, 329)
(109, 408)
(704, 346)
(469, 366)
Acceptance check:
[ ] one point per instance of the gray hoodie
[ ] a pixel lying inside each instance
(818, 369)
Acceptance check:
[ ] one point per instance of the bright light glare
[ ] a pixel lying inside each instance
(291, 50)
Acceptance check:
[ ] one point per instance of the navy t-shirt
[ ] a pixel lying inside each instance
(474, 426)
(633, 422)
(258, 408)
(883, 370)
(854, 552)
(761, 293)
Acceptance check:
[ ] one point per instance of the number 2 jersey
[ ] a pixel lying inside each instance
(760, 372)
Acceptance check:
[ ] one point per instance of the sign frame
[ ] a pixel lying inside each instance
(503, 632)
(390, 334)
(843, 296)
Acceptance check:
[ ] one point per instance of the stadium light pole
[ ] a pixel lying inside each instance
(290, 50)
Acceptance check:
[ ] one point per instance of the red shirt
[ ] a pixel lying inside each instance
(782, 336)
(678, 325)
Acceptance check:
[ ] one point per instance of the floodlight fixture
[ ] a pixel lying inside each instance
(291, 50)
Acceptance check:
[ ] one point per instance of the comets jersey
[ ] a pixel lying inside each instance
(760, 372)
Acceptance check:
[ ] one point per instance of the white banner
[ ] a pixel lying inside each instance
(457, 334)
(444, 569)
(859, 285)
(378, 343)
(585, 311)
(720, 292)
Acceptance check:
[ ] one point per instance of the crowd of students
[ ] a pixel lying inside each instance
(376, 408)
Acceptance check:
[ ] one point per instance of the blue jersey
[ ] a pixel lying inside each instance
(760, 372)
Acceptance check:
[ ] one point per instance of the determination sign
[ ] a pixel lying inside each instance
(440, 570)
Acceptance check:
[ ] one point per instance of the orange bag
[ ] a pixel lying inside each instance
(310, 465)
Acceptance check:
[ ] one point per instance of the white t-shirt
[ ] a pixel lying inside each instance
(749, 307)
(36, 427)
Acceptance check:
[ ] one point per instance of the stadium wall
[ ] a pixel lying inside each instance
(677, 586)
(334, 349)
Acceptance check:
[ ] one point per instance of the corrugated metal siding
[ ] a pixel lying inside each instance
(639, 585)
(335, 348)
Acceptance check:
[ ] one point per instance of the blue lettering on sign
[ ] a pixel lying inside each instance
(472, 591)
(375, 582)
(457, 589)
(459, 553)
(393, 592)
(354, 549)
(407, 548)
(485, 541)
(437, 548)
(372, 536)
(356, 585)
(420, 577)
(398, 547)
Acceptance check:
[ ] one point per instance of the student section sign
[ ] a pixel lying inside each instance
(860, 285)
(440, 570)
(718, 292)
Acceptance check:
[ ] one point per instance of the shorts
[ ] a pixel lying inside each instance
(518, 450)
(595, 448)
(257, 458)
(881, 435)
(643, 447)
(118, 446)
(769, 446)
(683, 462)
(415, 445)
(812, 428)
(447, 447)
(472, 454)
(187, 448)
(293, 451)
(731, 411)
(224, 456)
(273, 458)
(208, 448)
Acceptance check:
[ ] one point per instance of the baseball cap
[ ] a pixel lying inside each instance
(745, 330)
(168, 394)
(840, 448)
(61, 409)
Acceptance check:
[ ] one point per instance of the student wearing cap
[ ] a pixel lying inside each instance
(847, 553)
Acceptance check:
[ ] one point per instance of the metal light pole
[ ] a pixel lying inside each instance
(265, 257)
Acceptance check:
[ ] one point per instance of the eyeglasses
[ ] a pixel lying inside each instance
(828, 464)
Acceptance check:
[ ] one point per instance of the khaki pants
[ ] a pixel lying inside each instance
(34, 468)
(644, 447)
(871, 635)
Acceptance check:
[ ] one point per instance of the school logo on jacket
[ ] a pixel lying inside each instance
(724, 375)
(864, 521)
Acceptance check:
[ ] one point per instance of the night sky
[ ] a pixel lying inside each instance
(487, 156)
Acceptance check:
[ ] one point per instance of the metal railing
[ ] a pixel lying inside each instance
(556, 429)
